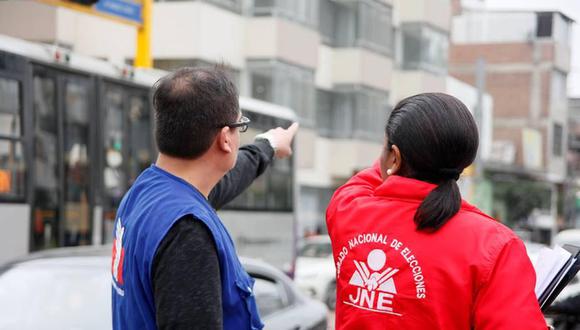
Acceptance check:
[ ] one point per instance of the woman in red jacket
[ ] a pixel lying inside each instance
(409, 253)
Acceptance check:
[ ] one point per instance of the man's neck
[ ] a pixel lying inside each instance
(198, 172)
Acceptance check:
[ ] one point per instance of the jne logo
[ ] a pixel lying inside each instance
(118, 258)
(375, 285)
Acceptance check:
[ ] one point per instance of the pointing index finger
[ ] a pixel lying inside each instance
(293, 128)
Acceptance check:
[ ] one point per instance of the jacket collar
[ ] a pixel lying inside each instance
(398, 187)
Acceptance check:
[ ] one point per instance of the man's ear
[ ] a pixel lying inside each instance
(224, 140)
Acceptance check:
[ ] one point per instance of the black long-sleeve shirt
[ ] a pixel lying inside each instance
(186, 274)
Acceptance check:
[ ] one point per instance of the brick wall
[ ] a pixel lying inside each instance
(493, 53)
(510, 91)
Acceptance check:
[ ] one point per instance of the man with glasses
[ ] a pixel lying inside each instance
(174, 264)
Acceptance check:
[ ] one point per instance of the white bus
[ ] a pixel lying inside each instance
(76, 131)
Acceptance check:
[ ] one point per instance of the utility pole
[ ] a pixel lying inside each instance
(478, 113)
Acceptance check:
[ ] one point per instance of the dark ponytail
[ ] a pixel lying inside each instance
(437, 137)
(438, 207)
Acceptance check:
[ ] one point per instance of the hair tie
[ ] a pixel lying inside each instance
(450, 173)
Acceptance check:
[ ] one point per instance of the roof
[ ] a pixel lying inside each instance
(517, 11)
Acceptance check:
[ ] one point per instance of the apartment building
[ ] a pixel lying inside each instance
(572, 198)
(339, 64)
(527, 59)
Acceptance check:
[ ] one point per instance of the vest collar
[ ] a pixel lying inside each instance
(398, 187)
(159, 170)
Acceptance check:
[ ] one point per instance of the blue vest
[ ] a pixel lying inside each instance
(147, 212)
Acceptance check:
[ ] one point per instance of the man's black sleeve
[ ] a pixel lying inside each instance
(253, 159)
(186, 278)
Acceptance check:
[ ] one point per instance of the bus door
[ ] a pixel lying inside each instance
(126, 145)
(14, 210)
(64, 108)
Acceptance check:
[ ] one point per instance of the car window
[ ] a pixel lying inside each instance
(55, 297)
(270, 296)
(316, 250)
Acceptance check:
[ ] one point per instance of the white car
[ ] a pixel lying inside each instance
(568, 236)
(315, 272)
(70, 288)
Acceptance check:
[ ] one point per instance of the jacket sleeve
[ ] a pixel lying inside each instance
(506, 300)
(362, 184)
(253, 160)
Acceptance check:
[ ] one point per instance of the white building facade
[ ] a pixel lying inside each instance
(339, 64)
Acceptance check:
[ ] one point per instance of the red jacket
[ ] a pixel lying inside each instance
(473, 273)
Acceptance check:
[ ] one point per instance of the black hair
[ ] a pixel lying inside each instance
(190, 106)
(437, 138)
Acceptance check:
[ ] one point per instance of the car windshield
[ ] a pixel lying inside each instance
(54, 295)
(316, 250)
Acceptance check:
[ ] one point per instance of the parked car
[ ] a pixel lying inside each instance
(70, 288)
(315, 273)
(568, 236)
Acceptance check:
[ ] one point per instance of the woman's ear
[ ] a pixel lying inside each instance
(396, 159)
(224, 140)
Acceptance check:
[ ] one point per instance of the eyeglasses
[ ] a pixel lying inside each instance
(242, 124)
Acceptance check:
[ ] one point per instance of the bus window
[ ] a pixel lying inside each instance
(10, 108)
(127, 147)
(114, 173)
(45, 213)
(280, 196)
(12, 166)
(76, 166)
(140, 150)
(272, 191)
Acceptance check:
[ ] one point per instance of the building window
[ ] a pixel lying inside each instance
(301, 11)
(558, 91)
(232, 5)
(362, 23)
(374, 28)
(324, 105)
(327, 17)
(544, 24)
(12, 165)
(352, 112)
(557, 141)
(284, 84)
(371, 108)
(424, 48)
